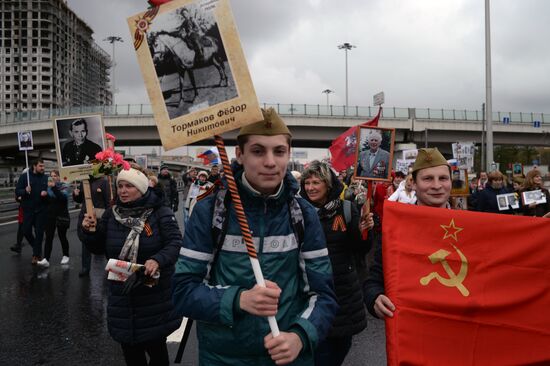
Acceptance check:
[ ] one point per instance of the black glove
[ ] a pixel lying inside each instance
(135, 280)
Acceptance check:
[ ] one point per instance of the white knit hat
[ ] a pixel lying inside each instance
(135, 178)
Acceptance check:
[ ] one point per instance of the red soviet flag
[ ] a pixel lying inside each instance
(469, 288)
(343, 148)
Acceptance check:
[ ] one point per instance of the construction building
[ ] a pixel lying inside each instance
(48, 58)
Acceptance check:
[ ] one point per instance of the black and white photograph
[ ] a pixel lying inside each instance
(459, 203)
(375, 153)
(78, 139)
(536, 197)
(141, 160)
(25, 140)
(190, 60)
(507, 201)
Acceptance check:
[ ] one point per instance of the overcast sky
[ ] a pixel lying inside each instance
(421, 53)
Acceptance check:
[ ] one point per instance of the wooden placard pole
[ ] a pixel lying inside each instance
(111, 145)
(365, 210)
(88, 200)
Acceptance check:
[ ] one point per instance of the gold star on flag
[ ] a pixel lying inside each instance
(451, 230)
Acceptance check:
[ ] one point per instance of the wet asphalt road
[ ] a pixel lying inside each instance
(53, 317)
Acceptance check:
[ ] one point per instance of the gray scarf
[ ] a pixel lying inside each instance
(130, 249)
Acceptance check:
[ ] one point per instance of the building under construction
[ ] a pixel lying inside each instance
(48, 58)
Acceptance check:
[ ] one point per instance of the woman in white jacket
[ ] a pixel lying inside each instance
(405, 192)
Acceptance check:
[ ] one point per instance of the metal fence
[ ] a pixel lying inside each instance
(313, 110)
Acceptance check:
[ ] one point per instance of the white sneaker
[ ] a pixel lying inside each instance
(43, 263)
(65, 260)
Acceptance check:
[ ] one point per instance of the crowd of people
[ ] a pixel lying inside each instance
(310, 231)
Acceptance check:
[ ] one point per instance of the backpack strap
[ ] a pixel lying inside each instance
(297, 218)
(219, 220)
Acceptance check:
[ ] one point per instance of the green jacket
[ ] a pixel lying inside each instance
(209, 293)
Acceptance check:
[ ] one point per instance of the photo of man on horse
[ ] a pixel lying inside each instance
(191, 32)
(187, 41)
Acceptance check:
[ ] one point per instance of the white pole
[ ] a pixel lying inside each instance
(27, 163)
(488, 86)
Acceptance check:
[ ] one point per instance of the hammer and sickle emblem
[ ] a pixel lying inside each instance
(454, 280)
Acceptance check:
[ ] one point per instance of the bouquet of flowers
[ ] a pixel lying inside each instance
(108, 162)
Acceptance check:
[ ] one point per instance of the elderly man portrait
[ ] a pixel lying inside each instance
(79, 150)
(373, 163)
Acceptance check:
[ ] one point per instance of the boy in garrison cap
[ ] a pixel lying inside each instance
(432, 183)
(214, 281)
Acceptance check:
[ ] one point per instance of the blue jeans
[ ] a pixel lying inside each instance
(332, 351)
(36, 220)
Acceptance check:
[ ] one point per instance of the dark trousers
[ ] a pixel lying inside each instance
(51, 225)
(35, 220)
(332, 351)
(86, 258)
(134, 354)
(20, 234)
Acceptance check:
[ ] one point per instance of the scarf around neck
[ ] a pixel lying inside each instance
(133, 218)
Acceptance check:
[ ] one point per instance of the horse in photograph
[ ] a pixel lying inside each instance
(172, 48)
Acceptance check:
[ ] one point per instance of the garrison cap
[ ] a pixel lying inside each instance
(428, 158)
(271, 125)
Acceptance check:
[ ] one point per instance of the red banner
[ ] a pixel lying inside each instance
(343, 148)
(469, 288)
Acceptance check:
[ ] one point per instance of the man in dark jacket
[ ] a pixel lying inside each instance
(215, 284)
(34, 203)
(432, 183)
(214, 174)
(169, 187)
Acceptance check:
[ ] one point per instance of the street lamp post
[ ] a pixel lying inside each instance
(346, 47)
(112, 40)
(488, 87)
(327, 92)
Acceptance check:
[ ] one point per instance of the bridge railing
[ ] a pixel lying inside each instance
(314, 110)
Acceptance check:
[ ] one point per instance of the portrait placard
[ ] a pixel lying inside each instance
(535, 197)
(194, 70)
(517, 169)
(141, 160)
(507, 201)
(24, 139)
(77, 140)
(459, 181)
(459, 202)
(374, 153)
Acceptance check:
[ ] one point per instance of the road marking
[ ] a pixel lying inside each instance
(178, 333)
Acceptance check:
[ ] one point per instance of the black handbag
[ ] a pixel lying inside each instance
(63, 221)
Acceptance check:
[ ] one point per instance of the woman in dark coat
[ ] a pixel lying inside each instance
(138, 229)
(533, 182)
(487, 198)
(321, 187)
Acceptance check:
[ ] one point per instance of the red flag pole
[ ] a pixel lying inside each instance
(245, 229)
